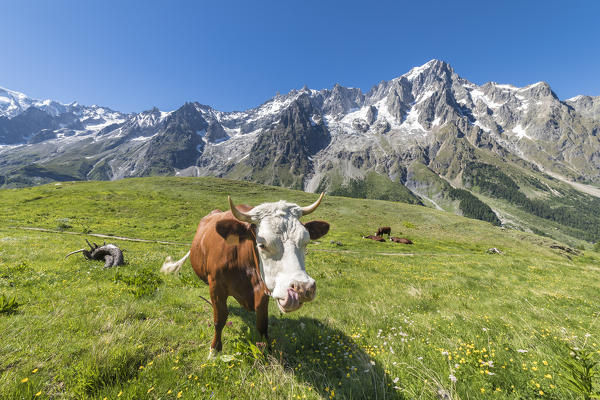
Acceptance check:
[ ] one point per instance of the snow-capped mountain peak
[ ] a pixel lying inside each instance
(432, 65)
(13, 103)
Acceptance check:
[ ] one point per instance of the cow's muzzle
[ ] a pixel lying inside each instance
(306, 290)
(290, 303)
(297, 294)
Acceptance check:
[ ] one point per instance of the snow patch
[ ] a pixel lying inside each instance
(355, 114)
(102, 125)
(383, 114)
(531, 86)
(232, 131)
(520, 132)
(425, 95)
(219, 141)
(506, 87)
(411, 122)
(524, 106)
(477, 94)
(143, 138)
(483, 127)
(580, 96)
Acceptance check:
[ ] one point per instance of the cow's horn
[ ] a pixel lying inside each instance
(313, 206)
(237, 213)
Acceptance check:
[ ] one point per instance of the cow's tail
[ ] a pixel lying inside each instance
(171, 266)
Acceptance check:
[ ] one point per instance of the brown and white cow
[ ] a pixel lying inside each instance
(250, 253)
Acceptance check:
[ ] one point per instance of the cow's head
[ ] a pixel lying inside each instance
(281, 241)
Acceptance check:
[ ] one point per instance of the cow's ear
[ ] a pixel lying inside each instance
(317, 229)
(233, 231)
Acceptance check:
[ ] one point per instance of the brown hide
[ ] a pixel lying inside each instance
(373, 237)
(384, 230)
(317, 229)
(400, 240)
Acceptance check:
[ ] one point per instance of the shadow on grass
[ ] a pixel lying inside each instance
(325, 358)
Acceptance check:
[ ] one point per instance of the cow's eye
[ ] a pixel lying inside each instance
(262, 246)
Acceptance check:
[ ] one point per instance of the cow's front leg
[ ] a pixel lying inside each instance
(262, 318)
(218, 298)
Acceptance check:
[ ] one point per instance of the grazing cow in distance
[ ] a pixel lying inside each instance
(384, 230)
(373, 237)
(251, 253)
(400, 240)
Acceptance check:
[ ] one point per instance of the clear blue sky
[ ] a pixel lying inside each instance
(233, 55)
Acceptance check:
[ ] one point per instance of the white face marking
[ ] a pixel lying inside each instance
(281, 241)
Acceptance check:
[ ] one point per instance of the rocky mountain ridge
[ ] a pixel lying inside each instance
(419, 138)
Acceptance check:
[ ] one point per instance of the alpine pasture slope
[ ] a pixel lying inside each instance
(438, 318)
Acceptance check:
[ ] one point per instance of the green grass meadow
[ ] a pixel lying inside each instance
(441, 319)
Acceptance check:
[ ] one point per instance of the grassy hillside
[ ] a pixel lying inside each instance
(373, 186)
(439, 318)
